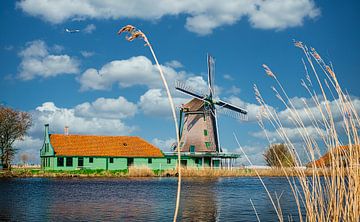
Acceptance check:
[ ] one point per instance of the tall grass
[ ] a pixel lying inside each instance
(332, 191)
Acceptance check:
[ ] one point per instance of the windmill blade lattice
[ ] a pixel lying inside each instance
(232, 114)
(182, 87)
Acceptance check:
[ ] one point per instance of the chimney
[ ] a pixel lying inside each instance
(46, 129)
(66, 130)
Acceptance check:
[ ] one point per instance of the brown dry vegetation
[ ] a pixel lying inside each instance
(332, 192)
(147, 172)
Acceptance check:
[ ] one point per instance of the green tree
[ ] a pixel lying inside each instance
(278, 155)
(13, 126)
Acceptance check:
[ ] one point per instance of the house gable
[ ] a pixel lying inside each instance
(47, 149)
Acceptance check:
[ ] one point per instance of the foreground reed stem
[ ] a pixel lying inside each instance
(134, 34)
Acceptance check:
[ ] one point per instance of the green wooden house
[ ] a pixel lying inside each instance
(71, 152)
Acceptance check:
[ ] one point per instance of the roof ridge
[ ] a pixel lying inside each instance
(59, 134)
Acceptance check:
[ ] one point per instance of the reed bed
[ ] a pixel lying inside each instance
(147, 172)
(332, 190)
(241, 172)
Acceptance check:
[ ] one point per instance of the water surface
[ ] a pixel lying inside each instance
(141, 199)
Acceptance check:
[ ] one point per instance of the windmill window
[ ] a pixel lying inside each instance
(91, 159)
(149, 160)
(125, 144)
(207, 144)
(60, 161)
(181, 144)
(168, 160)
(111, 160)
(69, 161)
(205, 132)
(192, 148)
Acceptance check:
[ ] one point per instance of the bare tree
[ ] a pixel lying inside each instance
(24, 158)
(278, 155)
(13, 126)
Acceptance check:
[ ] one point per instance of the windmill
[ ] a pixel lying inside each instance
(198, 118)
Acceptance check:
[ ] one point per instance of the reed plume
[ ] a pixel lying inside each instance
(332, 192)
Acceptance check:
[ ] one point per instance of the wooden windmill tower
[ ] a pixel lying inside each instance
(198, 118)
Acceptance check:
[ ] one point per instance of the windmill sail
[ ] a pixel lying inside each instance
(211, 75)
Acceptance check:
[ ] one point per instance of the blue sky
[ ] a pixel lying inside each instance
(98, 83)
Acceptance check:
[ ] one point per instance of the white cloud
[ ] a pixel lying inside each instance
(254, 153)
(228, 77)
(87, 54)
(233, 90)
(198, 84)
(308, 115)
(252, 109)
(98, 118)
(89, 28)
(202, 17)
(174, 64)
(280, 14)
(57, 48)
(137, 70)
(36, 61)
(29, 146)
(294, 134)
(164, 145)
(58, 118)
(312, 119)
(107, 108)
(155, 102)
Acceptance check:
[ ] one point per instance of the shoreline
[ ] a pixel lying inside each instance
(146, 172)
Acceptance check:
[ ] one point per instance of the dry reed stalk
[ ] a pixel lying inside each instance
(134, 34)
(142, 171)
(332, 193)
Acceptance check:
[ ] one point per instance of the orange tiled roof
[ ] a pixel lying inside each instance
(90, 145)
(325, 160)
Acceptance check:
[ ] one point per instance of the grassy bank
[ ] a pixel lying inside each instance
(146, 172)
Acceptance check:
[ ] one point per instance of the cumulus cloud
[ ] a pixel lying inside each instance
(29, 146)
(89, 28)
(155, 103)
(137, 70)
(36, 61)
(164, 145)
(310, 113)
(87, 54)
(280, 14)
(101, 117)
(107, 108)
(252, 109)
(174, 64)
(228, 77)
(233, 90)
(202, 17)
(83, 123)
(312, 120)
(254, 152)
(294, 134)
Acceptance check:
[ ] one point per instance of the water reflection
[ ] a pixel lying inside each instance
(148, 199)
(199, 200)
